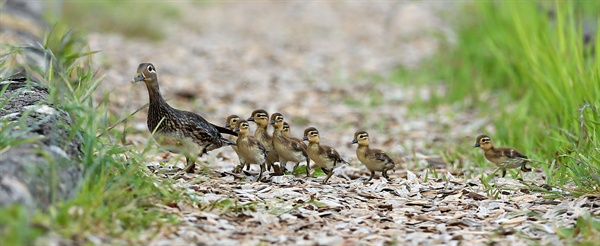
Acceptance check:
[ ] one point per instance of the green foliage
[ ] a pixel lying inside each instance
(527, 65)
(586, 231)
(116, 198)
(145, 19)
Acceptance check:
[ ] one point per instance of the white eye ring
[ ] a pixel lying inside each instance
(151, 69)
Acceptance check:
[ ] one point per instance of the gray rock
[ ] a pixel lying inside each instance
(39, 153)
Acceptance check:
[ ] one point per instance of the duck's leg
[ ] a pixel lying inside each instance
(262, 169)
(329, 174)
(191, 164)
(307, 166)
(372, 175)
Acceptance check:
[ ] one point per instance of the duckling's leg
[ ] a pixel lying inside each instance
(277, 169)
(503, 172)
(372, 175)
(307, 170)
(307, 167)
(524, 167)
(247, 166)
(239, 167)
(262, 169)
(282, 165)
(295, 166)
(384, 174)
(329, 173)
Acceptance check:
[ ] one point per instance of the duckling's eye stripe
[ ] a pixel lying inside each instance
(151, 69)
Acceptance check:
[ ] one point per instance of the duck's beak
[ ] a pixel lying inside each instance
(227, 125)
(305, 138)
(476, 145)
(354, 141)
(139, 77)
(251, 118)
(272, 122)
(236, 129)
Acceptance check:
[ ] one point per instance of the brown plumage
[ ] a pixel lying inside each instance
(261, 118)
(178, 130)
(503, 157)
(373, 159)
(327, 158)
(289, 149)
(231, 123)
(250, 148)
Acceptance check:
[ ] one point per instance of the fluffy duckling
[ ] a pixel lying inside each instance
(178, 130)
(373, 159)
(231, 123)
(261, 118)
(503, 157)
(324, 156)
(250, 148)
(289, 149)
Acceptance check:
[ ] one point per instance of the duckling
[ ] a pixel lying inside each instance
(249, 147)
(324, 156)
(503, 157)
(373, 159)
(230, 124)
(178, 130)
(288, 148)
(286, 129)
(261, 118)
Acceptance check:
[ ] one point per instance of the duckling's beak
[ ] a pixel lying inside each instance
(139, 77)
(236, 129)
(305, 138)
(272, 122)
(354, 141)
(251, 118)
(227, 125)
(476, 145)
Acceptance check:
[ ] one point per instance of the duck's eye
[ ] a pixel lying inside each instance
(279, 118)
(151, 69)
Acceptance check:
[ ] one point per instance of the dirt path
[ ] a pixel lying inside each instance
(313, 61)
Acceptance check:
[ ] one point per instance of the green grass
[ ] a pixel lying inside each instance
(531, 73)
(117, 198)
